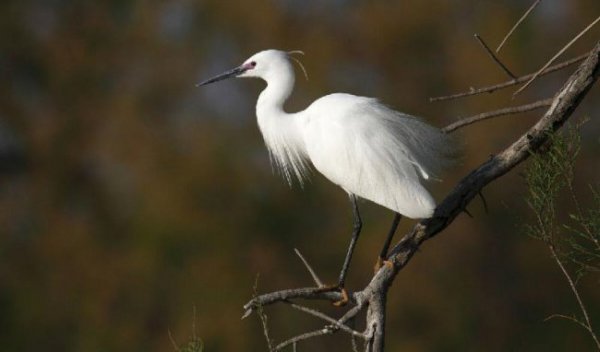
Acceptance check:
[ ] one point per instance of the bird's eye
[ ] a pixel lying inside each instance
(253, 64)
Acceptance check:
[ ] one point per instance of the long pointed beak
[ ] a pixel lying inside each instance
(231, 73)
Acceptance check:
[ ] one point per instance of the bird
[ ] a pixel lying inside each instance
(360, 144)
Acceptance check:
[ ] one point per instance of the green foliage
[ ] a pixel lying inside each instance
(585, 242)
(577, 241)
(194, 345)
(550, 171)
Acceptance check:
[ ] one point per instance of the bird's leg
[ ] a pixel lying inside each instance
(355, 233)
(383, 254)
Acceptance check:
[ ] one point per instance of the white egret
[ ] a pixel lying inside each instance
(366, 148)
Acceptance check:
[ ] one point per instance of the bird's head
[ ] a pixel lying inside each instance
(266, 64)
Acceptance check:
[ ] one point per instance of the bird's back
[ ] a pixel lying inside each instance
(375, 152)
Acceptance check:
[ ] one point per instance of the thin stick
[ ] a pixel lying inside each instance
(304, 336)
(327, 318)
(310, 269)
(517, 24)
(485, 206)
(588, 324)
(351, 313)
(573, 319)
(491, 54)
(495, 87)
(263, 317)
(557, 55)
(487, 115)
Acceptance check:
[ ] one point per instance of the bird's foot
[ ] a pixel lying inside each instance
(381, 262)
(345, 298)
(342, 302)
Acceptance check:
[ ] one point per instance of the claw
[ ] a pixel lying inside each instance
(377, 265)
(342, 302)
(345, 297)
(381, 262)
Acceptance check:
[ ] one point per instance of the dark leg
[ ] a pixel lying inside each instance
(388, 241)
(355, 232)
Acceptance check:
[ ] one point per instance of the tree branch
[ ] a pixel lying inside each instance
(533, 6)
(495, 87)
(311, 271)
(494, 57)
(504, 111)
(335, 324)
(314, 293)
(563, 105)
(560, 52)
(587, 324)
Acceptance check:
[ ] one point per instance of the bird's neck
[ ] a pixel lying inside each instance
(273, 97)
(282, 131)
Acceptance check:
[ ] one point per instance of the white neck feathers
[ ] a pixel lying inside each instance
(282, 131)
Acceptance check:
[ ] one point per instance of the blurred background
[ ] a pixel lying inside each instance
(129, 198)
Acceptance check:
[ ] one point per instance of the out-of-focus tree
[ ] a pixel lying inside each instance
(126, 194)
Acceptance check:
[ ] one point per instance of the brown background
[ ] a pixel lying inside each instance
(128, 196)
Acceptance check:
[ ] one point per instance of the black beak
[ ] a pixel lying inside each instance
(231, 73)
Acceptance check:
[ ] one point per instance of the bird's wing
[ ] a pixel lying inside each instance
(352, 142)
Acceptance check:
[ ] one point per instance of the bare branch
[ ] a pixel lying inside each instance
(504, 111)
(485, 206)
(314, 275)
(533, 6)
(565, 102)
(494, 57)
(315, 293)
(587, 325)
(336, 323)
(557, 55)
(263, 317)
(495, 87)
(304, 336)
(350, 314)
(573, 319)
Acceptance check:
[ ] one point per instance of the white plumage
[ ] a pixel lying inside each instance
(363, 146)
(368, 149)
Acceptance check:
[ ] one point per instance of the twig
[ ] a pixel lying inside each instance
(504, 111)
(173, 343)
(340, 323)
(352, 324)
(310, 269)
(495, 87)
(466, 211)
(573, 319)
(588, 324)
(557, 55)
(565, 102)
(284, 295)
(350, 314)
(517, 24)
(263, 317)
(327, 318)
(494, 57)
(485, 206)
(301, 337)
